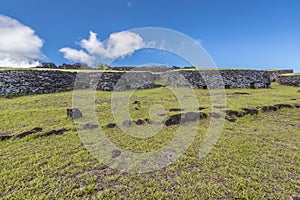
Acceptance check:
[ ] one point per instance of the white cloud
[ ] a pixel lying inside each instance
(117, 45)
(19, 45)
(77, 55)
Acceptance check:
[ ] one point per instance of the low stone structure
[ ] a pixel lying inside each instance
(209, 79)
(13, 82)
(275, 73)
(289, 79)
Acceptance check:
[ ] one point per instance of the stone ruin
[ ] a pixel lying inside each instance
(15, 82)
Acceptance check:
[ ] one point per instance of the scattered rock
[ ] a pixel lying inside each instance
(90, 126)
(293, 99)
(136, 102)
(74, 113)
(127, 122)
(279, 106)
(220, 107)
(243, 93)
(5, 136)
(215, 115)
(139, 122)
(268, 108)
(297, 105)
(148, 121)
(162, 114)
(202, 108)
(137, 108)
(115, 153)
(111, 125)
(191, 116)
(251, 111)
(298, 91)
(8, 97)
(173, 120)
(34, 130)
(230, 119)
(53, 132)
(234, 113)
(175, 109)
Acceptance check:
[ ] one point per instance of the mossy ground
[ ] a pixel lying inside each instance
(256, 157)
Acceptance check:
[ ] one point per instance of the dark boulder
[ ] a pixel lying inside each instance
(279, 106)
(233, 113)
(49, 65)
(74, 113)
(297, 105)
(139, 122)
(230, 119)
(175, 109)
(251, 111)
(34, 130)
(268, 108)
(111, 125)
(242, 93)
(173, 120)
(202, 108)
(53, 132)
(5, 136)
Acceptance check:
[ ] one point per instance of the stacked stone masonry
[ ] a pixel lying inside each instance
(15, 82)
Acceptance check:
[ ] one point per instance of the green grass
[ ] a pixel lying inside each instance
(257, 157)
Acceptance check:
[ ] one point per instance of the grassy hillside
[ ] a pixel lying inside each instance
(256, 157)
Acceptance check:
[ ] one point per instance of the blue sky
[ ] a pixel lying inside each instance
(258, 34)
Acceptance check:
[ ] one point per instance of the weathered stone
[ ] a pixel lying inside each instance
(53, 132)
(175, 109)
(5, 136)
(111, 125)
(251, 111)
(202, 108)
(74, 113)
(139, 122)
(242, 93)
(279, 106)
(127, 122)
(268, 108)
(90, 126)
(289, 79)
(230, 119)
(115, 153)
(234, 113)
(173, 120)
(34, 130)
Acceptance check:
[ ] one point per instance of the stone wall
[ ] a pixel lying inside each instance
(275, 73)
(47, 81)
(291, 80)
(24, 82)
(218, 78)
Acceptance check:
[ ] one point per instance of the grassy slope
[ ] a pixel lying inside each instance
(256, 157)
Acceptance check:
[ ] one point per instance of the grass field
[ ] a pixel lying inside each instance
(256, 157)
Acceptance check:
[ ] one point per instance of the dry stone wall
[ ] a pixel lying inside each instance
(291, 80)
(13, 82)
(218, 78)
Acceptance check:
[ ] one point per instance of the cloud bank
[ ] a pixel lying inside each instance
(117, 45)
(19, 45)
